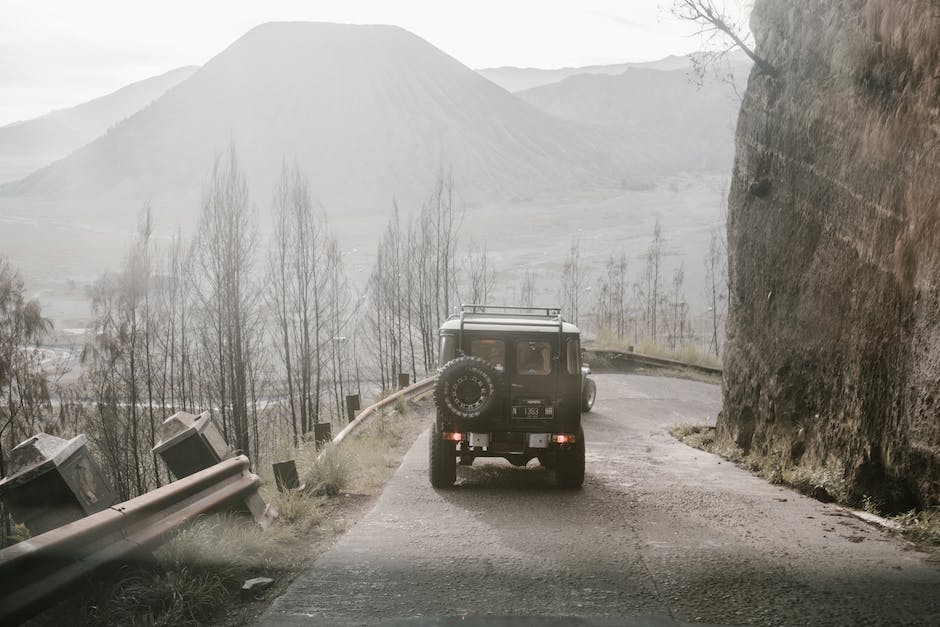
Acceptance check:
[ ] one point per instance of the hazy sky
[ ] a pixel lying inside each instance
(58, 53)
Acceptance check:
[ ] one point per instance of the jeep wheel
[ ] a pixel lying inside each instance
(588, 394)
(442, 460)
(569, 468)
(467, 388)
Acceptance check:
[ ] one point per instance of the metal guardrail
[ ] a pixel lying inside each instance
(37, 570)
(624, 357)
(412, 390)
(629, 358)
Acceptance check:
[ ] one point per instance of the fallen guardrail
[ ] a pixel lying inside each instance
(37, 570)
(627, 360)
(409, 392)
(41, 569)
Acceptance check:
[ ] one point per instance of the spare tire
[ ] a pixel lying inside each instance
(468, 388)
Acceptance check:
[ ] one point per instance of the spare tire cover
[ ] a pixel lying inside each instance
(467, 388)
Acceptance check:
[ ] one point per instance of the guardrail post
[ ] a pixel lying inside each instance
(352, 406)
(53, 482)
(285, 475)
(322, 433)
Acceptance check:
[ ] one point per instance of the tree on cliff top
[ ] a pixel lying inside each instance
(720, 30)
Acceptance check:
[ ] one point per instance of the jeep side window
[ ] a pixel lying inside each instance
(533, 358)
(493, 351)
(448, 350)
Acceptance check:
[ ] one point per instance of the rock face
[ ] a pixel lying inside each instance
(833, 354)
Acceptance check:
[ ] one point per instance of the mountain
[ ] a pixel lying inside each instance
(367, 112)
(675, 121)
(28, 145)
(516, 79)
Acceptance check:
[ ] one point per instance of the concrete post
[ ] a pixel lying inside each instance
(53, 482)
(190, 443)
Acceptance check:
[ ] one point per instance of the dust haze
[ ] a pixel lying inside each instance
(371, 115)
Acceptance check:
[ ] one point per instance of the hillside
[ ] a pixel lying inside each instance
(516, 79)
(367, 111)
(28, 145)
(832, 364)
(690, 127)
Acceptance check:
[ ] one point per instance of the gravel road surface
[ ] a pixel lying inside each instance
(660, 533)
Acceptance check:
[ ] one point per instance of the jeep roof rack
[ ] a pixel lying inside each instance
(536, 316)
(509, 310)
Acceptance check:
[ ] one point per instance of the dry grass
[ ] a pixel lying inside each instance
(687, 354)
(190, 578)
(922, 527)
(327, 473)
(373, 452)
(697, 436)
(815, 482)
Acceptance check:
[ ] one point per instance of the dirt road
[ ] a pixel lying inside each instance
(660, 530)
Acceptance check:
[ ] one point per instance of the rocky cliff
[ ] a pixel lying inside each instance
(832, 364)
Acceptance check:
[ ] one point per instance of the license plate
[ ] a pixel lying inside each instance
(532, 411)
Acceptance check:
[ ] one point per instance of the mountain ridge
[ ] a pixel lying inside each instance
(27, 145)
(379, 122)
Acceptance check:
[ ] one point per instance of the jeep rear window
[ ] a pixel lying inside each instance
(533, 358)
(493, 351)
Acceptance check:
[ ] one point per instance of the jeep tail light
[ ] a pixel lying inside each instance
(562, 438)
(454, 437)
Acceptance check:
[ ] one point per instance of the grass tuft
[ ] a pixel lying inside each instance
(922, 527)
(298, 509)
(697, 436)
(328, 473)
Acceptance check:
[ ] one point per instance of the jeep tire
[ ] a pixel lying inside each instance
(467, 388)
(588, 394)
(442, 460)
(569, 464)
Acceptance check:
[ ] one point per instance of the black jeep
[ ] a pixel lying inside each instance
(510, 384)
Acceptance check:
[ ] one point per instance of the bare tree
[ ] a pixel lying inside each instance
(413, 285)
(481, 273)
(720, 31)
(527, 289)
(571, 283)
(432, 267)
(652, 280)
(224, 255)
(715, 286)
(678, 308)
(105, 356)
(24, 385)
(611, 297)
